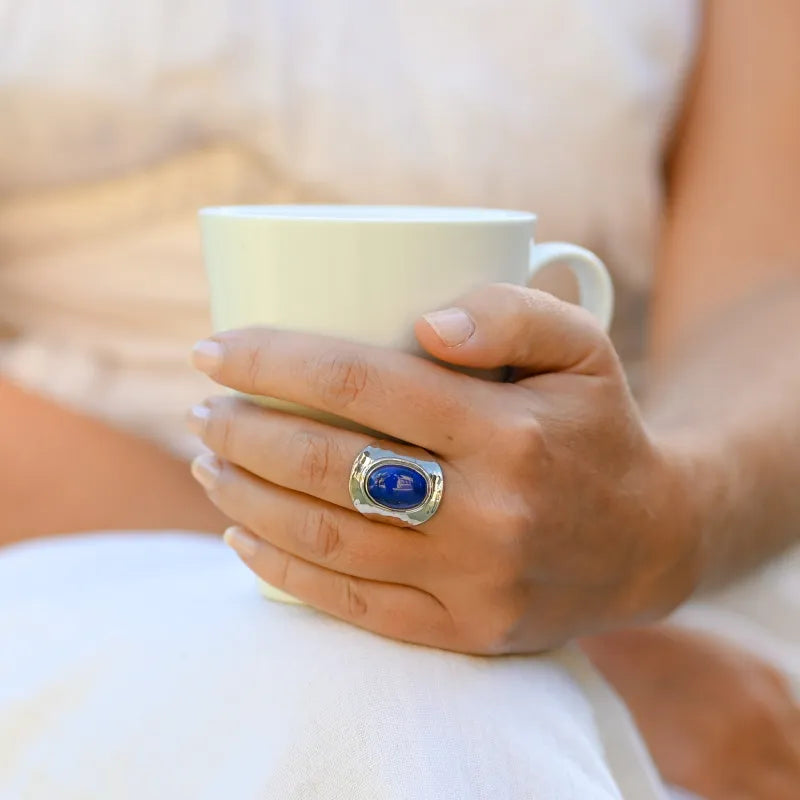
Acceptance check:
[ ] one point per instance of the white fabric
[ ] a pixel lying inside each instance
(147, 666)
(119, 120)
(760, 613)
(682, 794)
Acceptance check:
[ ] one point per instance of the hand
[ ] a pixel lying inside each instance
(718, 721)
(560, 516)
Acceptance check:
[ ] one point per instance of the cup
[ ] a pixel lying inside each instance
(365, 273)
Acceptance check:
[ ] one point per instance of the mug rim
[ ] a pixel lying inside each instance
(342, 213)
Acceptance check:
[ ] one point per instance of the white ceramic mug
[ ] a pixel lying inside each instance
(365, 273)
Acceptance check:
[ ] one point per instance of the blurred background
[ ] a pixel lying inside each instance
(118, 122)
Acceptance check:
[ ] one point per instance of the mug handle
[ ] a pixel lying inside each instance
(594, 283)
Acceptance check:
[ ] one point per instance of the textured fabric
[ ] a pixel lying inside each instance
(147, 666)
(118, 121)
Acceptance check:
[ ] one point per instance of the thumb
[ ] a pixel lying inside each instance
(505, 325)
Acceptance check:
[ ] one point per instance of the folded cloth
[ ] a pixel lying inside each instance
(147, 665)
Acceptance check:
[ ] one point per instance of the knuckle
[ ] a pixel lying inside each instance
(601, 356)
(519, 305)
(453, 410)
(353, 600)
(515, 531)
(323, 536)
(497, 633)
(281, 573)
(314, 457)
(527, 301)
(512, 525)
(341, 378)
(221, 429)
(503, 568)
(254, 366)
(524, 440)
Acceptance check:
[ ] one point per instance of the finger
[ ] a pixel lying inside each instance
(401, 395)
(292, 451)
(344, 541)
(399, 612)
(506, 325)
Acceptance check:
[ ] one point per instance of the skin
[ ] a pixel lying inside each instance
(727, 289)
(504, 545)
(728, 731)
(715, 451)
(66, 455)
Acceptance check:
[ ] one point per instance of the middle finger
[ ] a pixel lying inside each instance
(288, 450)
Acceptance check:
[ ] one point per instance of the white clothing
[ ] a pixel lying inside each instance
(120, 120)
(146, 665)
(151, 668)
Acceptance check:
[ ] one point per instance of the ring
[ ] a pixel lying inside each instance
(390, 485)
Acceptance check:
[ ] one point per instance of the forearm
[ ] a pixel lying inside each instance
(725, 329)
(62, 472)
(729, 411)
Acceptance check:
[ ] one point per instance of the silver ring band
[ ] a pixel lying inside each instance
(387, 484)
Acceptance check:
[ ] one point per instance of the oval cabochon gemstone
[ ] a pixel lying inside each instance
(397, 487)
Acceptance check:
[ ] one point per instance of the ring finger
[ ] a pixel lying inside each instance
(294, 452)
(343, 541)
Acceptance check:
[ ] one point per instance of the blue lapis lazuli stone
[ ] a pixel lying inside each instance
(397, 487)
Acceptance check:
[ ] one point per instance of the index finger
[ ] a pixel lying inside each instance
(394, 393)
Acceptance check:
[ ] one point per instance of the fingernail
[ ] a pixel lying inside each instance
(452, 325)
(197, 418)
(206, 470)
(244, 543)
(207, 356)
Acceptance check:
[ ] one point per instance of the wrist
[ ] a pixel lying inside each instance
(696, 497)
(674, 560)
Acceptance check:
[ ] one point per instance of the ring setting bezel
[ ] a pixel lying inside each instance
(372, 458)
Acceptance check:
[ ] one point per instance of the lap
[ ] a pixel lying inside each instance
(148, 666)
(760, 612)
